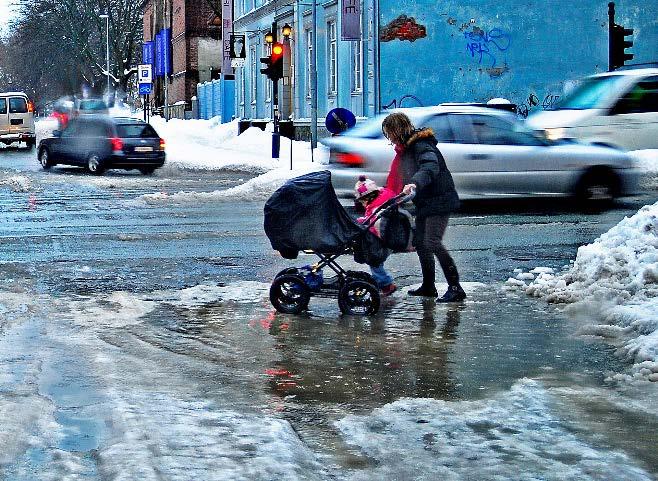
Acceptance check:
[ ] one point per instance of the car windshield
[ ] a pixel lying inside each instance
(135, 131)
(591, 93)
(92, 105)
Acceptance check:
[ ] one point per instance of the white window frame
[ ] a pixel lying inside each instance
(254, 74)
(357, 67)
(243, 90)
(332, 59)
(309, 55)
(267, 52)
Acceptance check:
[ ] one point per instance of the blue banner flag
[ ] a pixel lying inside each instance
(147, 53)
(158, 56)
(166, 40)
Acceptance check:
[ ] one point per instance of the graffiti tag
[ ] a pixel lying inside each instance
(481, 44)
(396, 103)
(533, 102)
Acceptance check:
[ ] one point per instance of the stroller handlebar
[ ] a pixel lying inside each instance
(391, 204)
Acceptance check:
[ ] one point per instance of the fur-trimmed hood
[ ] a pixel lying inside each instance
(425, 133)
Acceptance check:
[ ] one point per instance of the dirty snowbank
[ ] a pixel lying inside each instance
(615, 281)
(515, 435)
(211, 145)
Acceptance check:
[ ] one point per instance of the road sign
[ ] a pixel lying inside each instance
(237, 62)
(145, 89)
(145, 74)
(339, 120)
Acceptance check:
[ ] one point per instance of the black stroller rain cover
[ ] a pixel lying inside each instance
(305, 214)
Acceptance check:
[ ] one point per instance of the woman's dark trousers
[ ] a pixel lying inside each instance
(429, 243)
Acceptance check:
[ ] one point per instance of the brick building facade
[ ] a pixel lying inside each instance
(196, 46)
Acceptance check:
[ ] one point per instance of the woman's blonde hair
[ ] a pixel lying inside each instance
(397, 127)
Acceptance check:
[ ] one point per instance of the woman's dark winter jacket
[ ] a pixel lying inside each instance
(422, 164)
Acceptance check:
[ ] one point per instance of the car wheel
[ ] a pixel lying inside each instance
(289, 294)
(358, 297)
(44, 159)
(147, 170)
(597, 187)
(95, 165)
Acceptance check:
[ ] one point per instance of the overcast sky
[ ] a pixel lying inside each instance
(5, 13)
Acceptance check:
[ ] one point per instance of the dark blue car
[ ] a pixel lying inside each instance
(102, 142)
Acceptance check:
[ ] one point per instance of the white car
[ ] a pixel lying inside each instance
(17, 119)
(490, 155)
(619, 109)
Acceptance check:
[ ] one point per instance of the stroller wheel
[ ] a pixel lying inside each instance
(289, 294)
(358, 297)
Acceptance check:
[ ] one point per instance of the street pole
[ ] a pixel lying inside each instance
(314, 80)
(106, 16)
(107, 51)
(166, 67)
(611, 23)
(377, 54)
(276, 138)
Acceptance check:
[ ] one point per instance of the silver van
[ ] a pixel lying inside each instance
(17, 119)
(617, 109)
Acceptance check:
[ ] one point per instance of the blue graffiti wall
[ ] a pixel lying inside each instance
(435, 51)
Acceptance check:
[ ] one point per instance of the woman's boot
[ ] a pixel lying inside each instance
(453, 294)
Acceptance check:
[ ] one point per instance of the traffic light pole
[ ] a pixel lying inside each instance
(611, 26)
(617, 43)
(276, 137)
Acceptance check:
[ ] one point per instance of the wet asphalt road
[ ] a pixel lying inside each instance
(103, 328)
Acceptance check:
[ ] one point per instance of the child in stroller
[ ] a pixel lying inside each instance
(372, 197)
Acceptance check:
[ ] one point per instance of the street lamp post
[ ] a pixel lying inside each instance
(107, 49)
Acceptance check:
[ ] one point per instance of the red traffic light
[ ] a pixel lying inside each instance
(274, 62)
(277, 51)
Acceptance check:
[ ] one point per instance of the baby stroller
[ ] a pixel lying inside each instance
(305, 215)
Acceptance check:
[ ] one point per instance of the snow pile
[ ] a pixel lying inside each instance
(513, 436)
(158, 436)
(616, 278)
(647, 159)
(44, 128)
(256, 189)
(18, 183)
(119, 309)
(648, 162)
(211, 145)
(203, 294)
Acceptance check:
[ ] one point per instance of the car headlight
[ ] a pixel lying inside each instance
(555, 133)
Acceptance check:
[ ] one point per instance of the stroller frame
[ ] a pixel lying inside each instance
(356, 291)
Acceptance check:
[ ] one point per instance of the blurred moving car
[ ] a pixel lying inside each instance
(90, 106)
(17, 119)
(491, 155)
(618, 109)
(102, 142)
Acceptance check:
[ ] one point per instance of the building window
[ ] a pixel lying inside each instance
(332, 59)
(243, 92)
(254, 76)
(357, 72)
(309, 62)
(267, 52)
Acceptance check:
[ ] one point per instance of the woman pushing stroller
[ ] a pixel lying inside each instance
(418, 165)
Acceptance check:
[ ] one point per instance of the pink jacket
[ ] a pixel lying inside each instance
(385, 194)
